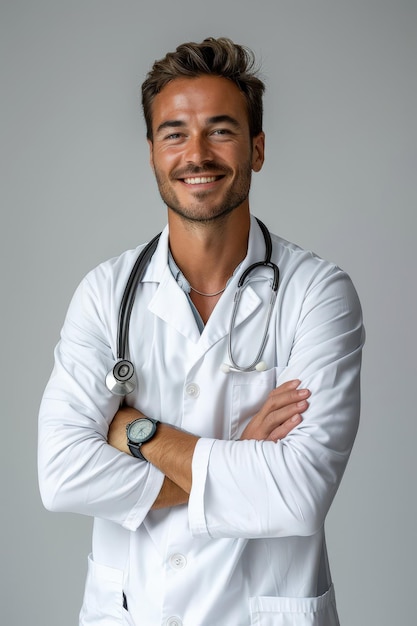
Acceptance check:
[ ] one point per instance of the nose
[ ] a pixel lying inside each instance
(198, 149)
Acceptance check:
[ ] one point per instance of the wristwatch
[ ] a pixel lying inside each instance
(138, 432)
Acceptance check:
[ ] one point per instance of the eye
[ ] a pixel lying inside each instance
(173, 139)
(221, 131)
(221, 134)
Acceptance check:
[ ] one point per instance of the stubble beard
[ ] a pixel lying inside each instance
(198, 212)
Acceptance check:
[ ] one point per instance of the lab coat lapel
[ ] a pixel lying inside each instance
(169, 302)
(171, 305)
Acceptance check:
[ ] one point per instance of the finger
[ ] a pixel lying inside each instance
(284, 429)
(276, 418)
(281, 404)
(292, 387)
(277, 401)
(261, 429)
(288, 385)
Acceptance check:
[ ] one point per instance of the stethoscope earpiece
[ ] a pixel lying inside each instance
(120, 379)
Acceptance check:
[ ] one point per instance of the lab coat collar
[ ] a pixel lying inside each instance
(180, 316)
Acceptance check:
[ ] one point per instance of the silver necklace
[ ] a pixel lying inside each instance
(207, 295)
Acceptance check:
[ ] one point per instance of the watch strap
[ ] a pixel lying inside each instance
(135, 450)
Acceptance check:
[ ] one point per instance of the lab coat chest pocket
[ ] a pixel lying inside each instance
(103, 598)
(249, 392)
(281, 611)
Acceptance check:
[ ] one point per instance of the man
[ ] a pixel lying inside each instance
(215, 515)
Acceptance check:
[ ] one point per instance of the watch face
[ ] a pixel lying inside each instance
(140, 430)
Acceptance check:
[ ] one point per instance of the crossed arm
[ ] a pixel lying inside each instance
(172, 449)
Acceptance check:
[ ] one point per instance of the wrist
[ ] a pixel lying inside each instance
(138, 432)
(171, 451)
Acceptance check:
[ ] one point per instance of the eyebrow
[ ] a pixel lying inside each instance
(170, 124)
(216, 119)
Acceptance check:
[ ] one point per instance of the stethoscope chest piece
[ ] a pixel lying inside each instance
(121, 378)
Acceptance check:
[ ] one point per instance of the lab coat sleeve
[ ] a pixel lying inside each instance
(266, 489)
(78, 471)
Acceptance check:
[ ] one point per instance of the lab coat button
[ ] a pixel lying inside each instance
(193, 390)
(173, 621)
(178, 561)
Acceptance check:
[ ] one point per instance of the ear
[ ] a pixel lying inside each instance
(150, 144)
(258, 151)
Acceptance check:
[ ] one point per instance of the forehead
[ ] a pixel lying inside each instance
(202, 97)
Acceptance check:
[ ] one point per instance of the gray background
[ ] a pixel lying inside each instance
(339, 179)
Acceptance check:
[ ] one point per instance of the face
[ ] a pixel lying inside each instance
(202, 153)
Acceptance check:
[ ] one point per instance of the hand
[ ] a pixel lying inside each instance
(280, 413)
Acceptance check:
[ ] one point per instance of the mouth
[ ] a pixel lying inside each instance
(200, 180)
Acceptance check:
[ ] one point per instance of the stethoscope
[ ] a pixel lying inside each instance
(121, 378)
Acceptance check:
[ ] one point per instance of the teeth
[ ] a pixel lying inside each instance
(200, 180)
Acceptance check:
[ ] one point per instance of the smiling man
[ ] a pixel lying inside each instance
(203, 162)
(210, 485)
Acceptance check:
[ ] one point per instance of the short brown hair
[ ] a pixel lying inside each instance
(218, 57)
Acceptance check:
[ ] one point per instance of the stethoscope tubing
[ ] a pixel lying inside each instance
(242, 283)
(257, 359)
(129, 295)
(123, 370)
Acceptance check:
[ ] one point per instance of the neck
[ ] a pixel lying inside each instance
(208, 253)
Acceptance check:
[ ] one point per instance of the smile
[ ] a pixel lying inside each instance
(200, 180)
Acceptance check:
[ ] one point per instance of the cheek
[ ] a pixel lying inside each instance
(164, 160)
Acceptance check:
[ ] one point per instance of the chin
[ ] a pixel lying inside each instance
(203, 216)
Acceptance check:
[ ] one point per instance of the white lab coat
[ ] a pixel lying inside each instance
(249, 548)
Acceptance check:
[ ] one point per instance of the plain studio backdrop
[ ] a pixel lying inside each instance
(339, 178)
